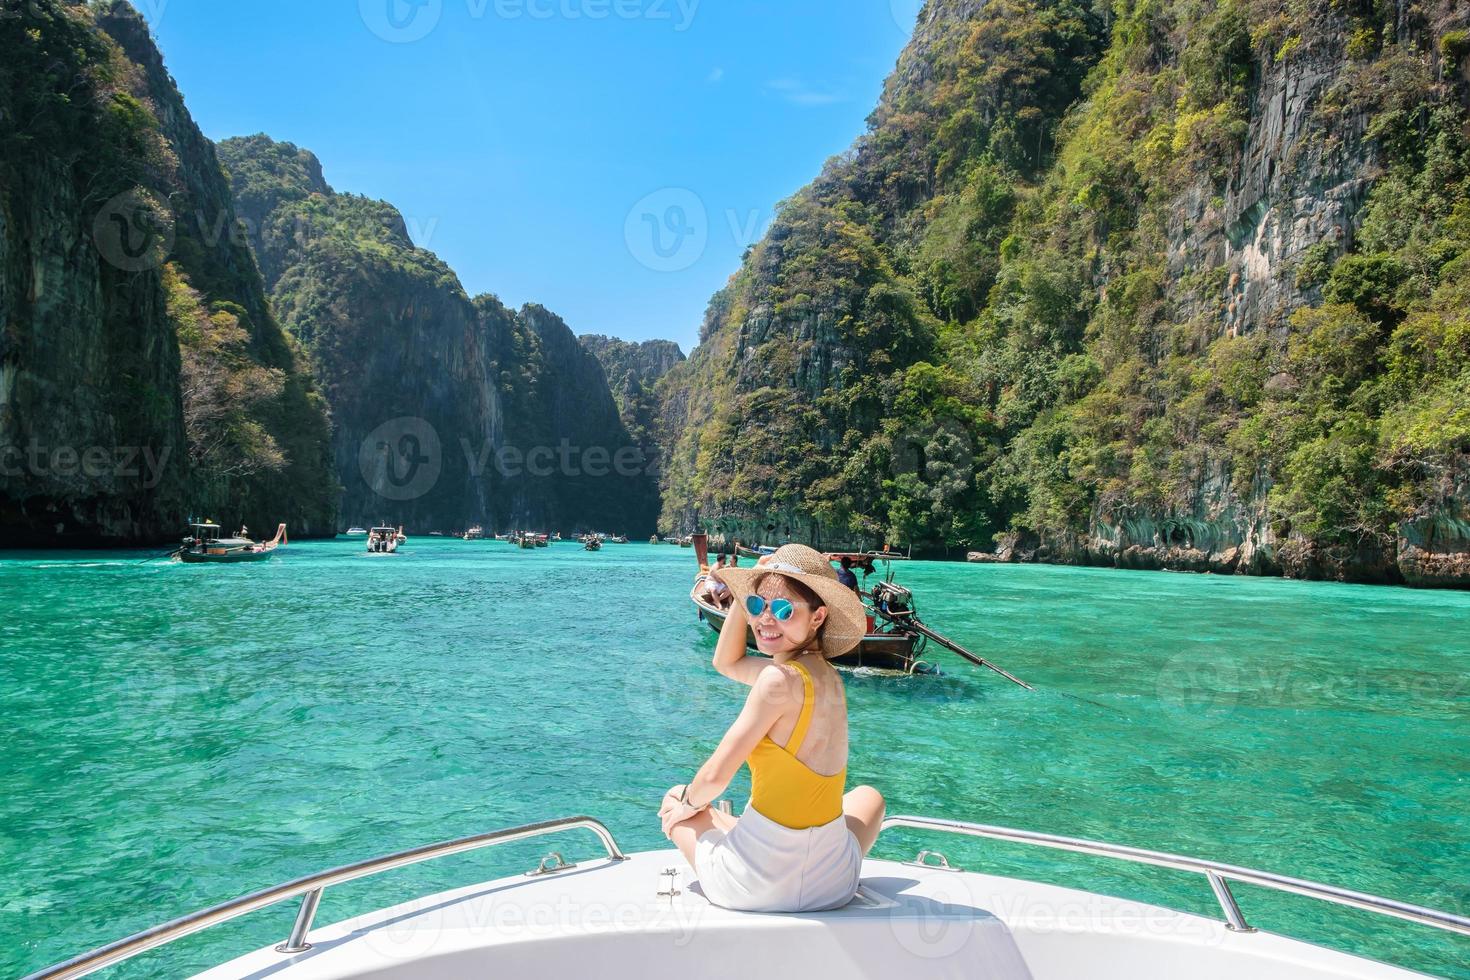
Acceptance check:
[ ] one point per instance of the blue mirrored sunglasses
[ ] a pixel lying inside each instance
(780, 608)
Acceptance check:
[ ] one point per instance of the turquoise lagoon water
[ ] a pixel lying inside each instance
(175, 736)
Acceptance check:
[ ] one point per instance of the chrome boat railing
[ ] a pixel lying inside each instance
(311, 888)
(1219, 875)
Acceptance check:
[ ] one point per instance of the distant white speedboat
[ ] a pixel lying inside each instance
(644, 915)
(385, 540)
(356, 532)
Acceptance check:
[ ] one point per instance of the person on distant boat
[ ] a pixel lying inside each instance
(845, 575)
(719, 592)
(799, 843)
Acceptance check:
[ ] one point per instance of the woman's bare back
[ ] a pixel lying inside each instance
(824, 749)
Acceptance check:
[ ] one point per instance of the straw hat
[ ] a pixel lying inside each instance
(847, 620)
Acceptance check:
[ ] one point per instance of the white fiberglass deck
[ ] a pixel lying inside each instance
(606, 918)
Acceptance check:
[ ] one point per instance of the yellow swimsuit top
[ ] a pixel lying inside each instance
(787, 790)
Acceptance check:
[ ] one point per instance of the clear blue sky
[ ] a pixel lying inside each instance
(539, 145)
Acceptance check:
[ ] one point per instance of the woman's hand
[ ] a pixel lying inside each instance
(673, 812)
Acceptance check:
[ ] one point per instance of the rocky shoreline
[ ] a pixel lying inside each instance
(1409, 564)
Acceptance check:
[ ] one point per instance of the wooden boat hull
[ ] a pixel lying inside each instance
(213, 550)
(886, 651)
(229, 558)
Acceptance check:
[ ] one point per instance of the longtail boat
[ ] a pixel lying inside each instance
(592, 543)
(886, 646)
(205, 546)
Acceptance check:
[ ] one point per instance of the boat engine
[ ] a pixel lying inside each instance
(895, 600)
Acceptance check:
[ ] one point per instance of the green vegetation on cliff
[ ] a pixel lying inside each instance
(1169, 282)
(134, 325)
(633, 371)
(402, 351)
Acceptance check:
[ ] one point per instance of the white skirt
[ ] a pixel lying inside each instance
(763, 866)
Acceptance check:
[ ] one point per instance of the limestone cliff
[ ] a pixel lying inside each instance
(633, 371)
(142, 377)
(1153, 285)
(630, 366)
(439, 401)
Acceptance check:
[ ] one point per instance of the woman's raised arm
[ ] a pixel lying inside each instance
(730, 658)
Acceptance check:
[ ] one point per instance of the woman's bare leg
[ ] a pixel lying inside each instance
(686, 833)
(723, 821)
(863, 808)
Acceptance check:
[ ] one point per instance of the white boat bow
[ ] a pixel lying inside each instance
(644, 915)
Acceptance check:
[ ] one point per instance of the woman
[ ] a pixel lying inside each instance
(798, 846)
